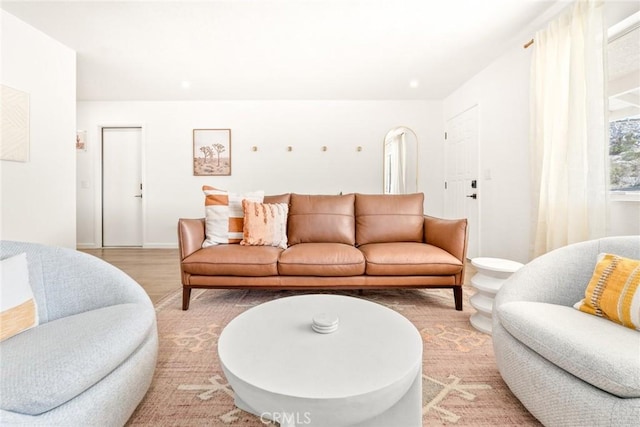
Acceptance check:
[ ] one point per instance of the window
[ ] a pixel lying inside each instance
(624, 105)
(624, 153)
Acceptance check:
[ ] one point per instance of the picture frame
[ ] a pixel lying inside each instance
(211, 152)
(81, 140)
(14, 124)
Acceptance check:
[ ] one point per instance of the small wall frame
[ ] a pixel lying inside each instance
(81, 140)
(14, 127)
(211, 152)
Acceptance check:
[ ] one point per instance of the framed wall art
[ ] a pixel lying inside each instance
(14, 130)
(81, 140)
(211, 152)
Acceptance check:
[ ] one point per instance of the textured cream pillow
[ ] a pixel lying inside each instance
(265, 224)
(224, 217)
(614, 291)
(18, 309)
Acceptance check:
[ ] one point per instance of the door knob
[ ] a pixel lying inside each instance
(473, 196)
(138, 195)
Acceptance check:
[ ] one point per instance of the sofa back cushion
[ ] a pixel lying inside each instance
(321, 219)
(279, 198)
(383, 218)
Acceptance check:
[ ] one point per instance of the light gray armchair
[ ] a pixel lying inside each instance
(92, 357)
(567, 367)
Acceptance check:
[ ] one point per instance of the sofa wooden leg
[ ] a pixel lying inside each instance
(457, 296)
(186, 296)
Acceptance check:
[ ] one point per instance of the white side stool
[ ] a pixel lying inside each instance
(492, 272)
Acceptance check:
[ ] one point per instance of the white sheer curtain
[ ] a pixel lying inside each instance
(569, 128)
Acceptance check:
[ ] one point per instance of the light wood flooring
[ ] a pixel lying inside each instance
(158, 270)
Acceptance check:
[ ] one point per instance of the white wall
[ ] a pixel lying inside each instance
(38, 197)
(502, 93)
(504, 193)
(171, 190)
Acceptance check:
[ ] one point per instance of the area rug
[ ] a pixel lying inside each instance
(461, 384)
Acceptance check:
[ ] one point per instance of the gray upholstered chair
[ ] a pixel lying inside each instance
(92, 357)
(567, 367)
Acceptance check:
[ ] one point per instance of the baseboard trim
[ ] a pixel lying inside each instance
(144, 245)
(160, 245)
(87, 246)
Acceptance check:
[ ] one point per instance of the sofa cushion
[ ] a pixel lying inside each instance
(601, 353)
(321, 259)
(51, 364)
(224, 215)
(384, 218)
(233, 260)
(18, 307)
(321, 219)
(409, 259)
(278, 198)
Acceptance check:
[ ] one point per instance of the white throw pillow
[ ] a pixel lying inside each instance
(224, 216)
(18, 308)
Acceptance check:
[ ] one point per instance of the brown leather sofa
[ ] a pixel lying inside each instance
(352, 241)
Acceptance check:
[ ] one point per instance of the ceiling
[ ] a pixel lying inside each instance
(623, 60)
(281, 49)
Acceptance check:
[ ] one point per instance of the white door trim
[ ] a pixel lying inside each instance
(98, 178)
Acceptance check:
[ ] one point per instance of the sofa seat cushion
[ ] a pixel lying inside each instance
(51, 364)
(321, 259)
(601, 353)
(409, 259)
(233, 260)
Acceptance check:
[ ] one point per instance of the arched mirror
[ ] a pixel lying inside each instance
(400, 159)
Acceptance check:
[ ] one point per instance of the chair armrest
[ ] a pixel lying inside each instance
(191, 235)
(562, 275)
(447, 234)
(66, 282)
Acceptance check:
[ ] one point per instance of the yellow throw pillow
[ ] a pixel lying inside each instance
(18, 308)
(265, 224)
(614, 291)
(224, 217)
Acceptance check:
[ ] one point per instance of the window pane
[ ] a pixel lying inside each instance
(624, 151)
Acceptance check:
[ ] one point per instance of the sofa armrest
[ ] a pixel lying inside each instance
(191, 235)
(447, 234)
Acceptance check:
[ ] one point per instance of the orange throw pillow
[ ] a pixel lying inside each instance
(265, 224)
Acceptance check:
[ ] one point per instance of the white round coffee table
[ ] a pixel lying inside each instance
(367, 372)
(492, 272)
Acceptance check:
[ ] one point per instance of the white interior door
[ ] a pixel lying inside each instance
(121, 187)
(462, 192)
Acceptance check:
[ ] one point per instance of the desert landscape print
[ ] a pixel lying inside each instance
(211, 152)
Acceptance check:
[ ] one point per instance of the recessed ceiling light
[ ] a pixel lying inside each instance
(414, 83)
(186, 84)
